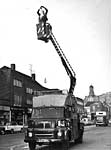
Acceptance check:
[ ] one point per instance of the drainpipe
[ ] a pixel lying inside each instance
(10, 116)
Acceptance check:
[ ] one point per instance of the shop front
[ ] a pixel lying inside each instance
(16, 115)
(4, 114)
(20, 115)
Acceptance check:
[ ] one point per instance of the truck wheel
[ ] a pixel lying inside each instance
(80, 139)
(22, 130)
(32, 145)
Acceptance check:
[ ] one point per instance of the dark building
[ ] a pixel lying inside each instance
(80, 106)
(16, 92)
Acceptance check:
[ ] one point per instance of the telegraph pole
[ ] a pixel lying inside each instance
(30, 69)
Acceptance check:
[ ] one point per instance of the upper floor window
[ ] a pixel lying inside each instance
(29, 90)
(17, 83)
(17, 100)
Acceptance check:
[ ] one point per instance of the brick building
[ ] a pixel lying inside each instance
(16, 92)
(95, 103)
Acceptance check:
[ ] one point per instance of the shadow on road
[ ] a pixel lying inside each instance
(59, 147)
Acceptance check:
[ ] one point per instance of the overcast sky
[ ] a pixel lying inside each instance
(83, 30)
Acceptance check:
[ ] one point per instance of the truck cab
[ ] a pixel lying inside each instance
(54, 119)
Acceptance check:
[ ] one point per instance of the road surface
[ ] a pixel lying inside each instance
(95, 138)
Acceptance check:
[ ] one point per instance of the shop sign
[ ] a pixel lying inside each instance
(6, 108)
(14, 108)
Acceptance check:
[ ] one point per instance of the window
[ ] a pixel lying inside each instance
(17, 100)
(93, 108)
(47, 125)
(29, 101)
(17, 83)
(40, 125)
(29, 90)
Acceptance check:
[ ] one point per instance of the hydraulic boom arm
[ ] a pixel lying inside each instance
(44, 32)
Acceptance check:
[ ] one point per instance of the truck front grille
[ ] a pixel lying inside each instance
(44, 135)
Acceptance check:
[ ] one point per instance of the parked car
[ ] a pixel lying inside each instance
(109, 122)
(87, 121)
(11, 127)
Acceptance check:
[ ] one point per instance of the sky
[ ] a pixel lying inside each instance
(82, 29)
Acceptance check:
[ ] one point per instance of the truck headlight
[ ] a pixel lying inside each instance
(59, 133)
(30, 134)
(61, 123)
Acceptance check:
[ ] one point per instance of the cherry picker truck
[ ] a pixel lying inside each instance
(55, 118)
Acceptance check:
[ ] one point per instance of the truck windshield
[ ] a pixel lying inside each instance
(100, 118)
(48, 112)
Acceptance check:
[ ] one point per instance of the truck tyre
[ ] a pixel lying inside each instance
(22, 130)
(32, 145)
(79, 139)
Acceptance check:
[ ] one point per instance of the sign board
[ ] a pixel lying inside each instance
(100, 113)
(6, 108)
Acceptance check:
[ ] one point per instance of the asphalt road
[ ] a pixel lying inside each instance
(98, 138)
(95, 138)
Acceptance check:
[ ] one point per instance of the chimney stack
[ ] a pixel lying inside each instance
(12, 66)
(33, 76)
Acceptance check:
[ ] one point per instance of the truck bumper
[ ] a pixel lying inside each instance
(100, 124)
(42, 141)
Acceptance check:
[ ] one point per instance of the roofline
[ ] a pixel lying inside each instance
(9, 68)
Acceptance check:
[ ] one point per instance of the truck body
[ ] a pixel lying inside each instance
(54, 116)
(54, 119)
(101, 118)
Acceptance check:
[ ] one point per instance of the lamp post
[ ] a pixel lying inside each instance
(10, 116)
